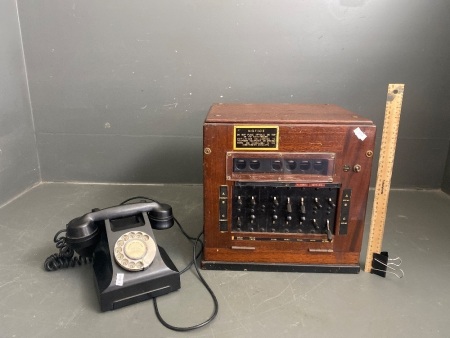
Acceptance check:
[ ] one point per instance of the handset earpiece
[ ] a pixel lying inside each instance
(161, 217)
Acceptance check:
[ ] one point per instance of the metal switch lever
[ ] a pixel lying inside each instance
(302, 209)
(316, 200)
(239, 200)
(315, 224)
(289, 205)
(329, 234)
(330, 201)
(275, 201)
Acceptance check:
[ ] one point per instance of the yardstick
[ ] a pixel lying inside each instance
(385, 165)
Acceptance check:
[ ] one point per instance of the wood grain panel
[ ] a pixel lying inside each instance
(302, 129)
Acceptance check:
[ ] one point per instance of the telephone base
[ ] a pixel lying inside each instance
(149, 284)
(117, 287)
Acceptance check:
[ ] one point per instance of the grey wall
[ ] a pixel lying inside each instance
(446, 180)
(120, 88)
(19, 167)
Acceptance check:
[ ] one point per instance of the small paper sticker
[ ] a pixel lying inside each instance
(119, 279)
(360, 134)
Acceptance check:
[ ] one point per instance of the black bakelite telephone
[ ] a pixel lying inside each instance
(129, 266)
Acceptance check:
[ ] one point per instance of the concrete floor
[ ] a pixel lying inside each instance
(35, 303)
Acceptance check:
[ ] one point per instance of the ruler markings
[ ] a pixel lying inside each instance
(385, 166)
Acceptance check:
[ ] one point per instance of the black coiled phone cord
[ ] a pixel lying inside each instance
(65, 258)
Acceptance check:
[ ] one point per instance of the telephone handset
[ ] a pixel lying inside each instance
(129, 266)
(83, 232)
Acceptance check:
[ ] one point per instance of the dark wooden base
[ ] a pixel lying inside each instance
(278, 267)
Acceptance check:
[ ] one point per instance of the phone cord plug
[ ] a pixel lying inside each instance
(64, 259)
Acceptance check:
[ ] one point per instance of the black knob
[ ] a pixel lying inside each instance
(305, 165)
(255, 164)
(240, 164)
(291, 165)
(277, 165)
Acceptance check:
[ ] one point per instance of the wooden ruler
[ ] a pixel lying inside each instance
(385, 164)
